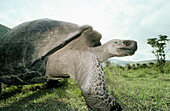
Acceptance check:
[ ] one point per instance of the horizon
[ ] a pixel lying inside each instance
(137, 60)
(114, 19)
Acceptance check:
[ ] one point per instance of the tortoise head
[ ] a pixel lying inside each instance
(120, 48)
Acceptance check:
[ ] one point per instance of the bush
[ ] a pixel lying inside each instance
(128, 66)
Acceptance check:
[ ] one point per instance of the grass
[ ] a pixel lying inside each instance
(136, 90)
(65, 97)
(142, 89)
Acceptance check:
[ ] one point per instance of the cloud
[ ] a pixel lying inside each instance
(140, 20)
(114, 19)
(5, 19)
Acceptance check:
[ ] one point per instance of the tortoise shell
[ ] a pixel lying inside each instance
(24, 50)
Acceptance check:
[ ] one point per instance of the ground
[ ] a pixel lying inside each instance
(143, 89)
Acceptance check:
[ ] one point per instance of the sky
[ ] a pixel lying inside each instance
(115, 19)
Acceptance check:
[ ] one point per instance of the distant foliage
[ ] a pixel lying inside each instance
(134, 67)
(159, 45)
(139, 66)
(108, 63)
(151, 63)
(128, 66)
(144, 65)
(3, 31)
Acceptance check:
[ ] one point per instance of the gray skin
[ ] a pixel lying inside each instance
(44, 50)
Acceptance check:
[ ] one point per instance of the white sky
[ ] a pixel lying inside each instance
(114, 19)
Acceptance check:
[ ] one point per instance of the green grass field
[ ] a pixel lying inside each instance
(142, 89)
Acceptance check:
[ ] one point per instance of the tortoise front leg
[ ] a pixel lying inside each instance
(85, 68)
(91, 80)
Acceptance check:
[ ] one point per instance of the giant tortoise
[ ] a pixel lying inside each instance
(44, 49)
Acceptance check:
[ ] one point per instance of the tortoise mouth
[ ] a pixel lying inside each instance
(128, 51)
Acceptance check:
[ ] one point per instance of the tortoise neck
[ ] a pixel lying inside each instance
(101, 52)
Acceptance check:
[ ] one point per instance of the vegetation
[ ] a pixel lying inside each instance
(140, 88)
(137, 89)
(3, 30)
(159, 46)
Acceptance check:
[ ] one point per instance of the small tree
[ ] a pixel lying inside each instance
(159, 46)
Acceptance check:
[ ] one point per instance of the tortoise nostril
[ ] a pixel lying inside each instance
(127, 43)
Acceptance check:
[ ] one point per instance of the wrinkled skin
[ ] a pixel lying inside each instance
(89, 73)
